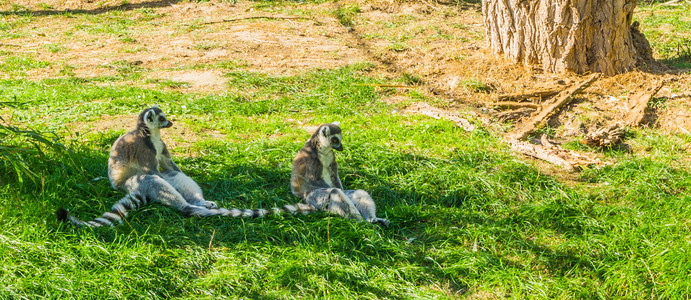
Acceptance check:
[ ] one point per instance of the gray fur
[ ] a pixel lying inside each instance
(315, 178)
(308, 170)
(141, 166)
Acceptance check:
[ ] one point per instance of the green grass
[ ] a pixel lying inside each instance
(17, 65)
(345, 14)
(668, 28)
(205, 46)
(468, 218)
(474, 85)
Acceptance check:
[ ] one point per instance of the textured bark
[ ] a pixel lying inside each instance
(567, 35)
(540, 94)
(568, 159)
(606, 136)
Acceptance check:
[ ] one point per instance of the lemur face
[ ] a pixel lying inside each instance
(155, 118)
(330, 134)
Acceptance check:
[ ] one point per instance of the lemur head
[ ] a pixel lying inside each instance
(154, 118)
(329, 136)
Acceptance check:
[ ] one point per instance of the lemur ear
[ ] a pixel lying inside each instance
(155, 106)
(336, 123)
(149, 116)
(325, 130)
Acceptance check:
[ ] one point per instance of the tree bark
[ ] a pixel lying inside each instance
(581, 36)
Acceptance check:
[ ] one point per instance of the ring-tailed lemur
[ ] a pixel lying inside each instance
(141, 166)
(315, 178)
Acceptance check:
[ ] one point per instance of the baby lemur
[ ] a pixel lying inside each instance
(315, 178)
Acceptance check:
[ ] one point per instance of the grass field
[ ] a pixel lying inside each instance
(469, 218)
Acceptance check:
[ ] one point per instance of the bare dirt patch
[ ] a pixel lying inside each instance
(192, 80)
(90, 39)
(444, 45)
(189, 46)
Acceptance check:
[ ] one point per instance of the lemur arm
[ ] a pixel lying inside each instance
(166, 162)
(334, 176)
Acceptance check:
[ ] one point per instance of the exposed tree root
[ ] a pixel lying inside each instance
(641, 100)
(433, 112)
(548, 108)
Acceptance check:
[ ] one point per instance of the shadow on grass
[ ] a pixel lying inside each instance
(681, 65)
(427, 215)
(295, 276)
(121, 7)
(424, 221)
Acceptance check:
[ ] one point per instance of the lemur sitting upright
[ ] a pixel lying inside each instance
(315, 178)
(141, 166)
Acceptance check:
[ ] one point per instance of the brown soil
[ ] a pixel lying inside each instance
(190, 46)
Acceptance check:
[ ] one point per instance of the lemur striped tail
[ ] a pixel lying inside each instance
(130, 202)
(110, 218)
(301, 208)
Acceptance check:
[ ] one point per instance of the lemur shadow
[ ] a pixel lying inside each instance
(121, 7)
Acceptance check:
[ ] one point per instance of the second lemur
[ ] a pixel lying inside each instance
(315, 178)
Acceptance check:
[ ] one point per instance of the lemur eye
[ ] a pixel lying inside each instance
(334, 140)
(161, 118)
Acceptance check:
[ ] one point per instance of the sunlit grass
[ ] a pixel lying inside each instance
(467, 216)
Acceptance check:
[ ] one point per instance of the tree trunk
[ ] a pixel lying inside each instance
(567, 35)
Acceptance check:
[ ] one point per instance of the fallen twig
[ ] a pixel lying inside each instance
(515, 114)
(670, 3)
(533, 94)
(384, 85)
(539, 152)
(569, 159)
(514, 105)
(260, 17)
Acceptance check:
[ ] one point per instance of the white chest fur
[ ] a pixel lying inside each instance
(326, 158)
(158, 144)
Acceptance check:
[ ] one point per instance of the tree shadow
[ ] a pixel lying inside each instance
(678, 65)
(121, 7)
(462, 4)
(667, 66)
(294, 276)
(414, 214)
(562, 217)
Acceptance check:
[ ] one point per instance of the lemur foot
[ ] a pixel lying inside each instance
(383, 222)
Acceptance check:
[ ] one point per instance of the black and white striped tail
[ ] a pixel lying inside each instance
(299, 208)
(110, 218)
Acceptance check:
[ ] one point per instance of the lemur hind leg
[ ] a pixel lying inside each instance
(151, 188)
(189, 189)
(334, 201)
(365, 205)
